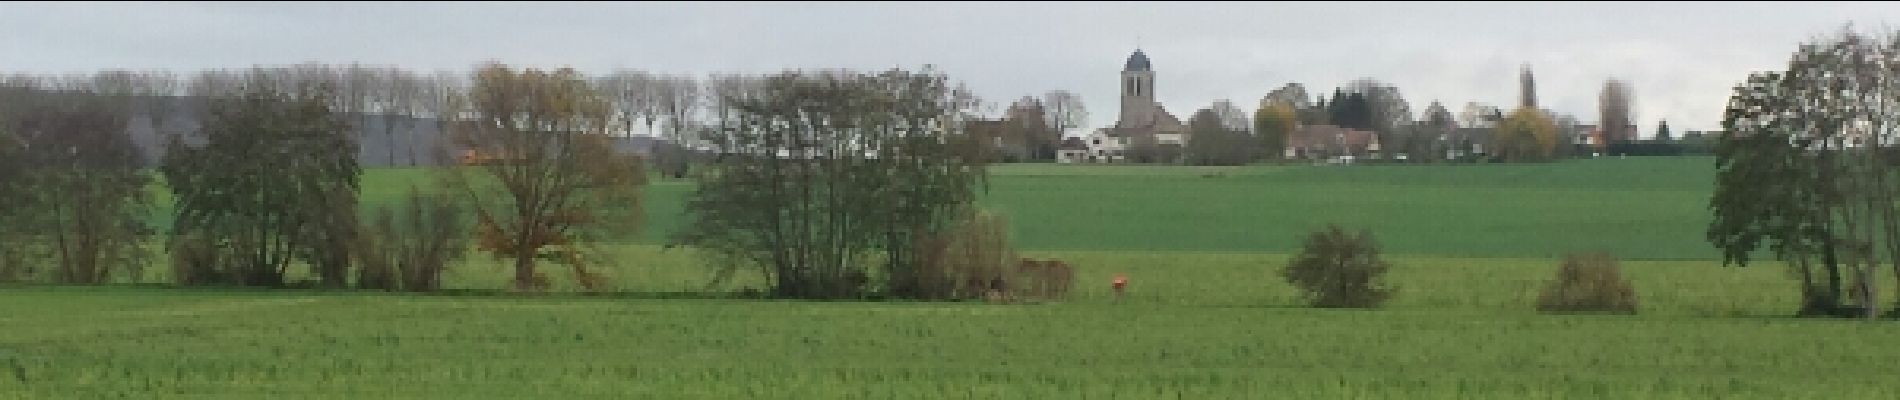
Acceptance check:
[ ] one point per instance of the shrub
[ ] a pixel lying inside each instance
(409, 248)
(1044, 280)
(1590, 282)
(968, 261)
(1337, 270)
(196, 260)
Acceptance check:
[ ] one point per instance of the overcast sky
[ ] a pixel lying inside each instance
(1680, 58)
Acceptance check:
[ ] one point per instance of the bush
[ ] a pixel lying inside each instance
(197, 260)
(970, 260)
(409, 248)
(1337, 270)
(1042, 280)
(1590, 283)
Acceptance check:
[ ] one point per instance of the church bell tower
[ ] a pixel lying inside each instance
(1138, 87)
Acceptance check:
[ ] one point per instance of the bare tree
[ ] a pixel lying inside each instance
(356, 95)
(1614, 110)
(111, 83)
(214, 83)
(632, 95)
(1065, 111)
(1230, 116)
(554, 182)
(399, 110)
(726, 89)
(1477, 115)
(444, 100)
(680, 100)
(157, 89)
(1293, 94)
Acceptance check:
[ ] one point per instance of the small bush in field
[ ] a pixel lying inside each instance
(1042, 279)
(969, 261)
(1588, 282)
(1338, 270)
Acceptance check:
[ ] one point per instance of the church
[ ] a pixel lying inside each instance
(1144, 132)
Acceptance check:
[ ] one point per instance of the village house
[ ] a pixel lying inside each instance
(1329, 142)
(1094, 147)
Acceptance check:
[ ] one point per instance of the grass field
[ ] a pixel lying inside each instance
(1205, 325)
(1639, 208)
(1206, 316)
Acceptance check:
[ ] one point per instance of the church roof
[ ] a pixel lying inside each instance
(1137, 62)
(1164, 118)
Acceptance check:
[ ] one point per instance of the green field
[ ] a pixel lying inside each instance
(1206, 316)
(1638, 208)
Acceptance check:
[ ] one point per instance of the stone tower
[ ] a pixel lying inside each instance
(1527, 99)
(1138, 87)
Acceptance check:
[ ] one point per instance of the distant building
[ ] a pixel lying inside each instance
(1142, 118)
(1469, 142)
(1330, 142)
(1097, 147)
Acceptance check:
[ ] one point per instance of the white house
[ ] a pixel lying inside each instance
(1096, 147)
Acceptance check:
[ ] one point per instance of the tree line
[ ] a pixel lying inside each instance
(679, 107)
(830, 183)
(1221, 134)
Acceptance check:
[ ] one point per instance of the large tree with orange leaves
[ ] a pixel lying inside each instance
(558, 184)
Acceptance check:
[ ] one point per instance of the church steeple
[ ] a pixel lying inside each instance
(1136, 62)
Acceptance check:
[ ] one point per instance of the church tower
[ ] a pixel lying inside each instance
(1138, 87)
(1527, 99)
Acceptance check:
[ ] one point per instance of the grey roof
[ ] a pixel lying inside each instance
(382, 140)
(1137, 62)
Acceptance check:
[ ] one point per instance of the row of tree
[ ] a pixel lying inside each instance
(671, 106)
(680, 107)
(269, 182)
(828, 183)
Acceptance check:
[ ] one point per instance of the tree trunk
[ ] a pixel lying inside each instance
(389, 139)
(1867, 292)
(524, 270)
(1830, 261)
(335, 271)
(1813, 302)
